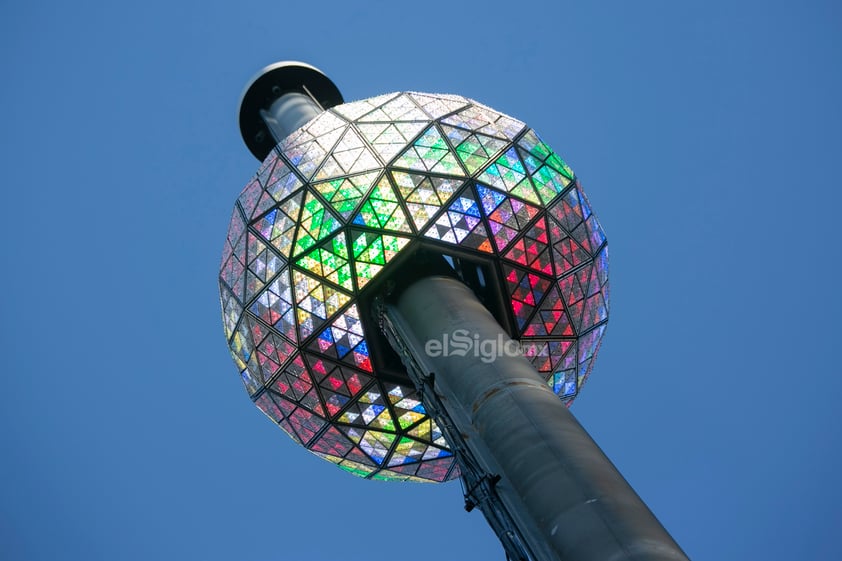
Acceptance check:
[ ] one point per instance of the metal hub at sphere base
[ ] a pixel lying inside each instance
(346, 204)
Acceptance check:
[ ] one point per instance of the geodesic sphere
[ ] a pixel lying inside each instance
(339, 200)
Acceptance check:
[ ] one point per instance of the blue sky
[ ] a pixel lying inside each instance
(707, 136)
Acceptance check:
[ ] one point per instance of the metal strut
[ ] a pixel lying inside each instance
(479, 485)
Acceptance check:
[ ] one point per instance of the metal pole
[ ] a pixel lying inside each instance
(567, 499)
(288, 113)
(280, 99)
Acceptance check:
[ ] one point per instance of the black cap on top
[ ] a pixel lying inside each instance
(271, 83)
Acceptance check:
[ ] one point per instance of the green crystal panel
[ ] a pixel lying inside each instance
(330, 262)
(549, 183)
(473, 149)
(372, 251)
(430, 153)
(506, 172)
(382, 210)
(344, 194)
(316, 223)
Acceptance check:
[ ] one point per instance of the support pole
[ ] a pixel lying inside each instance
(281, 98)
(288, 113)
(567, 499)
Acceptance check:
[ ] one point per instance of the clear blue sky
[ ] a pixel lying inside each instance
(706, 134)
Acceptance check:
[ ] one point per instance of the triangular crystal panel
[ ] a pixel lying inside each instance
(430, 152)
(345, 193)
(506, 216)
(282, 182)
(351, 155)
(332, 443)
(250, 196)
(372, 251)
(400, 108)
(278, 225)
(330, 261)
(526, 290)
(388, 139)
(548, 183)
(231, 310)
(424, 195)
(315, 302)
(567, 252)
(532, 249)
(339, 378)
(485, 120)
(461, 225)
(356, 109)
(382, 210)
(473, 149)
(317, 222)
(307, 148)
(274, 306)
(505, 173)
(438, 105)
